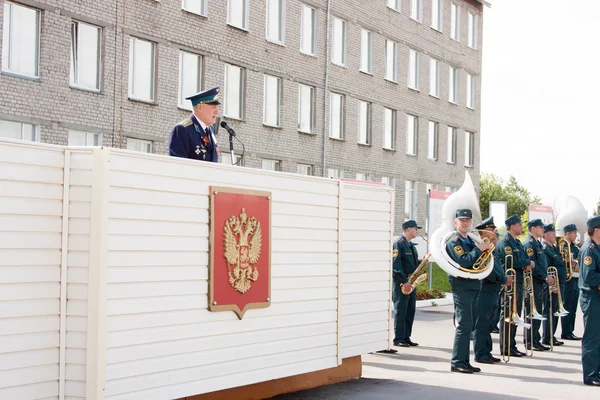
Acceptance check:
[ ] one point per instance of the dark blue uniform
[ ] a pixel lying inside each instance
(465, 293)
(189, 140)
(406, 261)
(554, 260)
(508, 245)
(570, 299)
(535, 252)
(486, 318)
(589, 282)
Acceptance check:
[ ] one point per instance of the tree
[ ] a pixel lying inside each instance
(597, 210)
(494, 188)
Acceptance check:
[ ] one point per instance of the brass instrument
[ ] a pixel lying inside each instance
(564, 247)
(560, 311)
(424, 238)
(511, 317)
(486, 256)
(528, 293)
(414, 279)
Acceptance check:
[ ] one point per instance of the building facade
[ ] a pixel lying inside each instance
(380, 90)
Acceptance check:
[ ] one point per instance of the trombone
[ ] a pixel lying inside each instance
(528, 293)
(511, 317)
(560, 312)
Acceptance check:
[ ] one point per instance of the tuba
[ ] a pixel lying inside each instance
(573, 213)
(465, 197)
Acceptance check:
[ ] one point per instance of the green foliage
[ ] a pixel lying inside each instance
(517, 197)
(597, 210)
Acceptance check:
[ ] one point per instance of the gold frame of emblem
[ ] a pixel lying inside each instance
(214, 191)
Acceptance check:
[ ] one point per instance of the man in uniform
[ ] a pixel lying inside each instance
(554, 260)
(406, 261)
(571, 294)
(589, 283)
(488, 299)
(465, 292)
(510, 245)
(535, 252)
(194, 137)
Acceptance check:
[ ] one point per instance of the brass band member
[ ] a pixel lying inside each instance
(554, 260)
(571, 293)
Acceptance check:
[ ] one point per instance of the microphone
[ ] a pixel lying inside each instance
(227, 128)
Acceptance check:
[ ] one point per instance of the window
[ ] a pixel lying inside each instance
(308, 42)
(391, 61)
(389, 181)
(334, 173)
(451, 145)
(437, 14)
(434, 77)
(85, 56)
(470, 91)
(413, 70)
(306, 112)
(190, 77)
(472, 39)
(304, 169)
(469, 146)
(237, 13)
(433, 140)
(145, 146)
(409, 199)
(271, 165)
(449, 189)
(363, 177)
(272, 101)
(225, 158)
(336, 112)
(389, 128)
(194, 6)
(141, 69)
(416, 9)
(455, 22)
(234, 92)
(19, 131)
(276, 21)
(78, 138)
(412, 127)
(366, 51)
(453, 85)
(21, 40)
(430, 186)
(394, 4)
(364, 122)
(338, 55)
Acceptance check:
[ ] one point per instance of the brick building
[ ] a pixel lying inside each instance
(382, 90)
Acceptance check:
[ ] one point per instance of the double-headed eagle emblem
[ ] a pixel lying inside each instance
(242, 238)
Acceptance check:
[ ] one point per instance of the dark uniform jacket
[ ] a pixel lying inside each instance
(494, 281)
(189, 140)
(535, 252)
(555, 260)
(589, 274)
(575, 254)
(406, 259)
(508, 245)
(465, 253)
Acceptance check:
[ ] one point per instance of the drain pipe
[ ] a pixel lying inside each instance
(325, 90)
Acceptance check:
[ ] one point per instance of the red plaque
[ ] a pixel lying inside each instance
(240, 250)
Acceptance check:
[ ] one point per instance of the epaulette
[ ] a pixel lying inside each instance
(186, 122)
(455, 237)
(592, 245)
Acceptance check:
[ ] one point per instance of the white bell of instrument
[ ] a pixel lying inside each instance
(573, 213)
(465, 197)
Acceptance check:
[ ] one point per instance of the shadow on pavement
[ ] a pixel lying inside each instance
(395, 367)
(383, 389)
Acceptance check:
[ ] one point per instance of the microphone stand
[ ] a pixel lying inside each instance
(231, 149)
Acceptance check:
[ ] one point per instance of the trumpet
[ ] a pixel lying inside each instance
(561, 311)
(416, 277)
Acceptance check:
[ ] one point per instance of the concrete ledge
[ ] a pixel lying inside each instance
(351, 368)
(436, 302)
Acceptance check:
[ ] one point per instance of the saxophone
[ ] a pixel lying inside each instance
(414, 279)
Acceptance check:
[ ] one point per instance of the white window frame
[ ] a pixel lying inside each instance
(302, 113)
(394, 60)
(313, 31)
(8, 33)
(389, 181)
(268, 96)
(75, 51)
(412, 134)
(434, 77)
(181, 101)
(246, 11)
(433, 140)
(416, 10)
(453, 85)
(473, 30)
(394, 4)
(366, 51)
(305, 169)
(280, 39)
(437, 10)
(242, 88)
(469, 149)
(364, 122)
(389, 128)
(271, 165)
(410, 199)
(452, 133)
(144, 146)
(89, 136)
(333, 173)
(414, 73)
(35, 129)
(186, 6)
(455, 22)
(341, 121)
(132, 96)
(471, 88)
(337, 41)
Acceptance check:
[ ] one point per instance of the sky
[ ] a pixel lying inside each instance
(540, 96)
